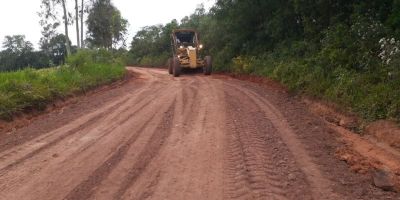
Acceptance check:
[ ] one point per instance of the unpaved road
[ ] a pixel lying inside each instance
(193, 137)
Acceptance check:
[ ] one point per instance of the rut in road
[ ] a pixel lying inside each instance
(192, 137)
(254, 164)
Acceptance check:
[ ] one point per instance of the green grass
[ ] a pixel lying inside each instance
(370, 94)
(33, 89)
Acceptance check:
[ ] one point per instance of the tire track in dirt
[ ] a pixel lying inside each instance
(110, 128)
(49, 132)
(86, 188)
(120, 101)
(320, 186)
(150, 189)
(185, 98)
(119, 171)
(141, 105)
(152, 148)
(171, 175)
(84, 125)
(57, 140)
(251, 162)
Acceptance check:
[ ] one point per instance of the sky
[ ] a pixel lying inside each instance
(19, 17)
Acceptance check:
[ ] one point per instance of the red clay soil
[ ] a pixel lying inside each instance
(25, 118)
(374, 148)
(384, 131)
(192, 137)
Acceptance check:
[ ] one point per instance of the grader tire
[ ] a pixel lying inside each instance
(176, 67)
(170, 66)
(208, 65)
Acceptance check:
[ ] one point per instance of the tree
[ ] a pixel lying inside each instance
(65, 17)
(82, 11)
(49, 12)
(147, 41)
(19, 53)
(17, 44)
(57, 49)
(106, 27)
(152, 44)
(49, 23)
(78, 43)
(193, 21)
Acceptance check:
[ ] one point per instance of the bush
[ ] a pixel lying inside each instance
(33, 89)
(326, 75)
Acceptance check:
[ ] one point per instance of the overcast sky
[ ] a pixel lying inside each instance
(19, 17)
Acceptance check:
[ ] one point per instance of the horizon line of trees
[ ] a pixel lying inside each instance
(106, 28)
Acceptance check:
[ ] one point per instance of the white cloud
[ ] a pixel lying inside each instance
(20, 16)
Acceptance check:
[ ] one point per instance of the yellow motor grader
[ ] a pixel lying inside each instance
(186, 53)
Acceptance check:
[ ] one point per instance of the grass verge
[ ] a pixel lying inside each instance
(371, 94)
(31, 89)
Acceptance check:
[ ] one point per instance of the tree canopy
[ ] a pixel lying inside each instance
(19, 53)
(106, 27)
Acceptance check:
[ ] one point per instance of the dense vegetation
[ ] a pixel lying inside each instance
(33, 89)
(66, 69)
(344, 51)
(106, 29)
(151, 45)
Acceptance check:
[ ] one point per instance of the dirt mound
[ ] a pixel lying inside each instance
(366, 155)
(331, 113)
(385, 131)
(262, 81)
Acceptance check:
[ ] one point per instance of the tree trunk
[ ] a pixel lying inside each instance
(78, 43)
(82, 10)
(66, 27)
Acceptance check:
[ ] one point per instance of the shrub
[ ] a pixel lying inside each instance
(33, 89)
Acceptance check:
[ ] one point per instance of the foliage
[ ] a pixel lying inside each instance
(33, 89)
(55, 49)
(151, 45)
(344, 51)
(49, 21)
(18, 53)
(106, 27)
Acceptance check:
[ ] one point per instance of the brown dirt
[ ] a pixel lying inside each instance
(192, 137)
(385, 131)
(23, 119)
(261, 81)
(333, 114)
(366, 151)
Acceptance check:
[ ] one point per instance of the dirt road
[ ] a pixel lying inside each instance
(193, 137)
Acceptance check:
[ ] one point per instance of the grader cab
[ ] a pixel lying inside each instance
(186, 53)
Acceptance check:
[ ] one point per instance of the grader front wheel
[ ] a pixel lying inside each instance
(176, 67)
(207, 65)
(170, 66)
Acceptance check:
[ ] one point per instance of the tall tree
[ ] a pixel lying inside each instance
(106, 27)
(57, 49)
(78, 43)
(49, 11)
(65, 17)
(82, 11)
(49, 23)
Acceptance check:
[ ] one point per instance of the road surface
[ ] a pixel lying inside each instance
(192, 137)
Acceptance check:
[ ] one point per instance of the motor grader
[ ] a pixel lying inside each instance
(186, 53)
